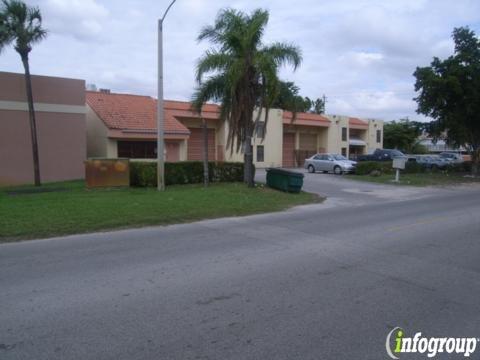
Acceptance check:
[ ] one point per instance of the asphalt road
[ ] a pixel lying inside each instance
(326, 281)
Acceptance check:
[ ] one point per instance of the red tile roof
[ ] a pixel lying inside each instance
(139, 113)
(306, 119)
(357, 122)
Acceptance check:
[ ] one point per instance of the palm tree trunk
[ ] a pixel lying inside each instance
(475, 161)
(33, 123)
(248, 161)
(205, 153)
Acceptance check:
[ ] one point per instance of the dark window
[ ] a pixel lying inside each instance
(261, 129)
(344, 134)
(344, 151)
(260, 153)
(137, 149)
(379, 136)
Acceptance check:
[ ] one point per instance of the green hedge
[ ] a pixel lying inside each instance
(367, 167)
(144, 174)
(466, 167)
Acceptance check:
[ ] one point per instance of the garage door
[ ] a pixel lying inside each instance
(173, 151)
(308, 142)
(288, 150)
(195, 144)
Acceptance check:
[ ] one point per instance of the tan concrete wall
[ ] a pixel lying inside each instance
(97, 135)
(373, 126)
(272, 143)
(61, 129)
(335, 143)
(183, 150)
(112, 149)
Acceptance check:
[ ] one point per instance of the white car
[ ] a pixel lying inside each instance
(338, 164)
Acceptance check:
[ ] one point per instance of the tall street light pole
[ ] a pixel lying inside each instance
(160, 111)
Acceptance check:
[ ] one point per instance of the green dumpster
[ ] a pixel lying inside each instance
(285, 180)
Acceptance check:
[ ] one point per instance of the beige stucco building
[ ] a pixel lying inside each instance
(61, 129)
(121, 125)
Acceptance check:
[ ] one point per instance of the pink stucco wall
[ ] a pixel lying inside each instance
(61, 133)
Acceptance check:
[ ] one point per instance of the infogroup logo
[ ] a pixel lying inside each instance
(397, 344)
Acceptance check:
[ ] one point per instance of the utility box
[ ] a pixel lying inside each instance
(399, 163)
(107, 172)
(285, 180)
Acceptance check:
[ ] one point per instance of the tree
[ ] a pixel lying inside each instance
(402, 135)
(289, 99)
(449, 92)
(318, 106)
(23, 24)
(241, 73)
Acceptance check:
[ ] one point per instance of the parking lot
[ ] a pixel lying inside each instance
(343, 190)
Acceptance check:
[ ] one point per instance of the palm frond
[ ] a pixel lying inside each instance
(213, 89)
(20, 23)
(284, 54)
(256, 28)
(212, 61)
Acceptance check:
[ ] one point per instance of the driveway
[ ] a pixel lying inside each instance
(343, 190)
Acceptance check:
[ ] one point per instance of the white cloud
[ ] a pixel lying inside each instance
(362, 58)
(82, 19)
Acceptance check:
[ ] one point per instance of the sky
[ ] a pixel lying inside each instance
(360, 53)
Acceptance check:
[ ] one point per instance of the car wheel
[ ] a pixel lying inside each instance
(311, 169)
(337, 170)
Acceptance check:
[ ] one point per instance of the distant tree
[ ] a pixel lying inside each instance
(449, 92)
(23, 24)
(241, 73)
(289, 99)
(318, 106)
(402, 135)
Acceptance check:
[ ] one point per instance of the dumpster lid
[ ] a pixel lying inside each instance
(285, 172)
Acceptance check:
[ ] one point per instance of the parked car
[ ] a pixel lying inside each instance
(338, 164)
(381, 155)
(453, 156)
(432, 161)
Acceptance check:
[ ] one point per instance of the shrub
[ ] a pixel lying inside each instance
(367, 167)
(465, 167)
(144, 174)
(412, 167)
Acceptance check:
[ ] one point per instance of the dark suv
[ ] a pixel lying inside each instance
(382, 155)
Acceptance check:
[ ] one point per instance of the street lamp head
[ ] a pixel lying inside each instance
(166, 11)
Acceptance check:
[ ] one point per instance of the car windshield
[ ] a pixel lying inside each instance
(397, 153)
(339, 157)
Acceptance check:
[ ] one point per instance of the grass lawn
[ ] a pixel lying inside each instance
(69, 208)
(425, 179)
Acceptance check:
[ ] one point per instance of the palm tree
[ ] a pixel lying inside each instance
(241, 73)
(23, 24)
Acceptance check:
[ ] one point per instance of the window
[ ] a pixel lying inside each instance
(260, 129)
(344, 134)
(379, 136)
(260, 153)
(344, 151)
(137, 149)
